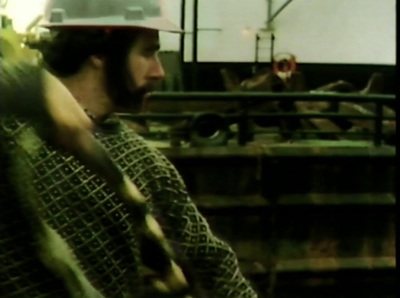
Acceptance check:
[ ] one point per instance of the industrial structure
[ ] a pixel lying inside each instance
(299, 180)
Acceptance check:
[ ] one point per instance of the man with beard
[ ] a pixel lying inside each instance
(105, 53)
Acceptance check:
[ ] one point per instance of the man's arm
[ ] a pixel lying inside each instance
(214, 263)
(58, 118)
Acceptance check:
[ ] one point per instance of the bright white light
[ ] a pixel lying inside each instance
(22, 12)
(247, 31)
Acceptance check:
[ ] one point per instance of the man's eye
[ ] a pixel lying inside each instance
(149, 53)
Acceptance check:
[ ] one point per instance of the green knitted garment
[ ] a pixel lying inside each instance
(93, 221)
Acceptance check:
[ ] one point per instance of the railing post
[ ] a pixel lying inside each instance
(195, 45)
(378, 124)
(182, 36)
(243, 124)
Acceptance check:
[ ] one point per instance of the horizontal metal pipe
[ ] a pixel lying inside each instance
(256, 132)
(272, 132)
(156, 116)
(204, 29)
(272, 96)
(170, 116)
(316, 116)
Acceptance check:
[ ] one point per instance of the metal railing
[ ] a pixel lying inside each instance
(244, 114)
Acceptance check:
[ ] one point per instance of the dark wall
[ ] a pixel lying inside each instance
(316, 75)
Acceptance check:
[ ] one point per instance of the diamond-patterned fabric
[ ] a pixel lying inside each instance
(96, 225)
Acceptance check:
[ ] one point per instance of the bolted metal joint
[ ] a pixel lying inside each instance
(58, 15)
(134, 13)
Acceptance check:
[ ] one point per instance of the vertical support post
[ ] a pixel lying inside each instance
(195, 40)
(272, 49)
(269, 13)
(243, 124)
(256, 54)
(378, 124)
(272, 178)
(182, 37)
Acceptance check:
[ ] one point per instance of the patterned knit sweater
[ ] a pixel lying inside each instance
(92, 222)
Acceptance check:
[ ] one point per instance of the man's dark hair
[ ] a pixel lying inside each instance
(67, 50)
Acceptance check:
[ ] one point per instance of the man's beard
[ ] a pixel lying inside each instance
(126, 96)
(135, 100)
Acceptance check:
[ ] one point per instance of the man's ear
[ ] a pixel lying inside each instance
(97, 61)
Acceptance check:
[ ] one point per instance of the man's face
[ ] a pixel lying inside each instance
(144, 66)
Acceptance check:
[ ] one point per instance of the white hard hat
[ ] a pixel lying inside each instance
(147, 14)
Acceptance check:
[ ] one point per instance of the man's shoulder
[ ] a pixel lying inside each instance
(124, 139)
(117, 130)
(140, 160)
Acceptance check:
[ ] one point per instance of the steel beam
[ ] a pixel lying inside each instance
(272, 17)
(271, 96)
(182, 37)
(195, 42)
(241, 116)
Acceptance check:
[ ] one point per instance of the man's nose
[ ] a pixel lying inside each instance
(157, 72)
